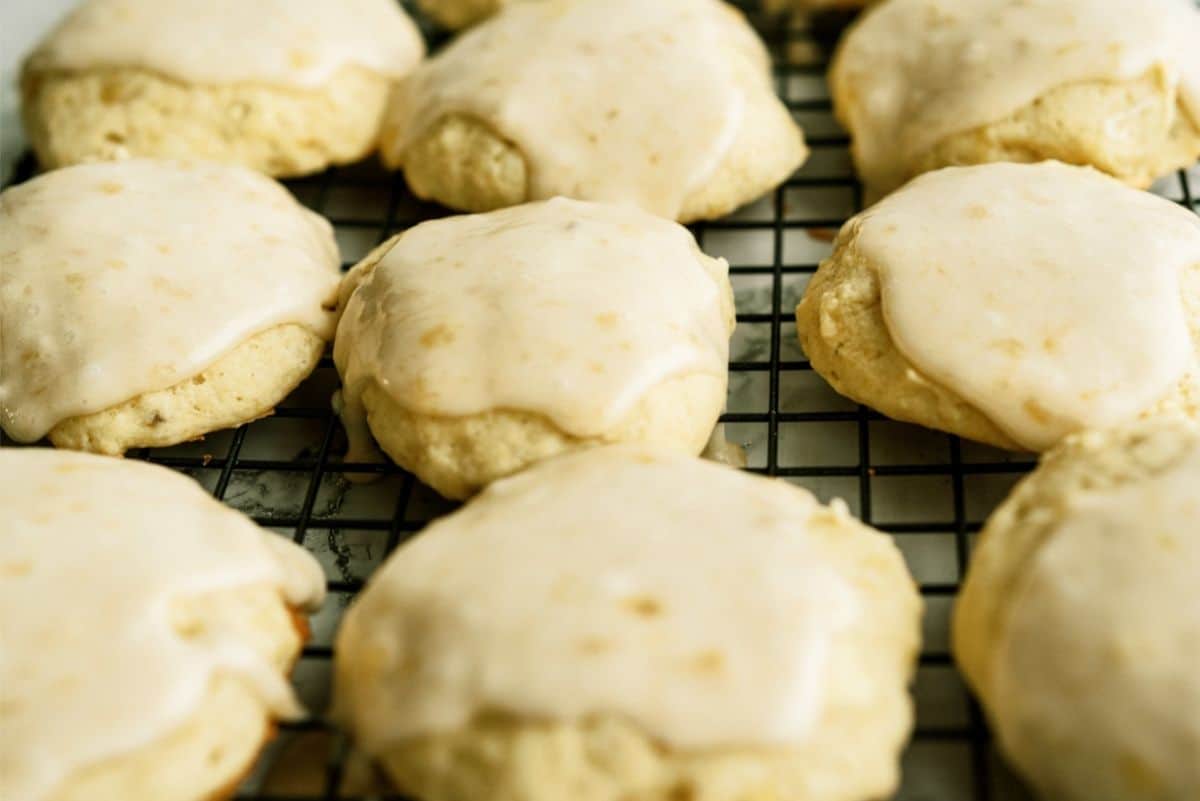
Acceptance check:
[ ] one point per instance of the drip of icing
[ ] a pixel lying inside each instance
(361, 448)
(93, 554)
(566, 309)
(621, 100)
(1048, 296)
(916, 71)
(721, 450)
(687, 597)
(123, 278)
(1103, 641)
(299, 43)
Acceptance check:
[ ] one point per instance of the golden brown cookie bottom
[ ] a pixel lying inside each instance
(110, 114)
(243, 385)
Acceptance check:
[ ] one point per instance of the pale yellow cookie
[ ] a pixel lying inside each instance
(158, 623)
(1011, 304)
(473, 346)
(626, 623)
(1114, 84)
(668, 105)
(286, 87)
(1078, 626)
(146, 303)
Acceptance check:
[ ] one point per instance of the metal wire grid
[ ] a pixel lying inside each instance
(930, 491)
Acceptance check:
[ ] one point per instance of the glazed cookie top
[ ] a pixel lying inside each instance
(94, 554)
(621, 100)
(128, 277)
(913, 72)
(299, 43)
(1049, 297)
(697, 601)
(563, 308)
(1101, 629)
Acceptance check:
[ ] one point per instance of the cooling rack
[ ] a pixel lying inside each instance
(930, 491)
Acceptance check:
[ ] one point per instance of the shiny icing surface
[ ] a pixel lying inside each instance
(913, 72)
(688, 597)
(94, 553)
(618, 100)
(568, 309)
(123, 278)
(298, 43)
(1049, 297)
(1102, 642)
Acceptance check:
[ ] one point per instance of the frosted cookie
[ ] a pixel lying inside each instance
(1078, 624)
(148, 631)
(286, 87)
(145, 303)
(1115, 84)
(667, 105)
(1011, 304)
(620, 623)
(475, 345)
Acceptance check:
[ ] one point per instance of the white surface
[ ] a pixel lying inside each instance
(22, 23)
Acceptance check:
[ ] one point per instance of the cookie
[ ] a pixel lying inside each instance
(286, 87)
(1011, 304)
(1078, 625)
(475, 345)
(1114, 84)
(158, 675)
(667, 105)
(624, 623)
(146, 303)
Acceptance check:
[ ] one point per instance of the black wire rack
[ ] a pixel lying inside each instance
(928, 490)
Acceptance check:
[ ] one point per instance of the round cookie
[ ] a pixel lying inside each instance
(148, 631)
(146, 303)
(1011, 304)
(473, 346)
(1078, 625)
(1114, 84)
(286, 87)
(623, 623)
(667, 105)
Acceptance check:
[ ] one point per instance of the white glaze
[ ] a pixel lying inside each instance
(93, 554)
(687, 597)
(299, 43)
(568, 309)
(917, 71)
(1047, 296)
(609, 100)
(1101, 645)
(123, 278)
